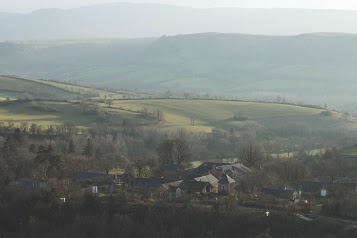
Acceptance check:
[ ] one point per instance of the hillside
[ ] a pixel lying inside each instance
(46, 113)
(14, 87)
(179, 114)
(126, 20)
(253, 67)
(210, 114)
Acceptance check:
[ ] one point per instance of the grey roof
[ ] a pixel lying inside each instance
(208, 178)
(207, 166)
(311, 186)
(226, 179)
(28, 183)
(236, 167)
(150, 182)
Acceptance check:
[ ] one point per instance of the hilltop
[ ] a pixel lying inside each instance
(125, 20)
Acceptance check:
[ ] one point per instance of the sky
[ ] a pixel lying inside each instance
(31, 5)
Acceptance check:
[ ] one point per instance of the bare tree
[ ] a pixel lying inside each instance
(159, 115)
(174, 151)
(182, 151)
(251, 155)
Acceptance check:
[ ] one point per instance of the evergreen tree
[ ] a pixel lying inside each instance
(46, 161)
(9, 148)
(98, 153)
(71, 147)
(88, 148)
(18, 137)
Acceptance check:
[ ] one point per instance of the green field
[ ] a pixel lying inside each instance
(18, 87)
(350, 155)
(90, 91)
(15, 87)
(66, 112)
(209, 114)
(352, 151)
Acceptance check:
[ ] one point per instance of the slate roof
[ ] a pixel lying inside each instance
(236, 167)
(207, 166)
(226, 179)
(28, 183)
(150, 182)
(311, 186)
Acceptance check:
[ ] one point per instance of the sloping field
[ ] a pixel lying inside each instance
(14, 87)
(350, 155)
(209, 114)
(90, 91)
(65, 111)
(18, 87)
(180, 113)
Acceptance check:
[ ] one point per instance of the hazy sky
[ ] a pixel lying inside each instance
(30, 5)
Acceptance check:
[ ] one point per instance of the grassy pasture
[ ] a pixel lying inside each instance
(15, 87)
(209, 114)
(350, 155)
(87, 90)
(67, 112)
(18, 86)
(351, 151)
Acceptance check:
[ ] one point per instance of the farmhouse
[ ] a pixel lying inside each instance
(100, 182)
(234, 170)
(213, 181)
(28, 184)
(195, 187)
(226, 185)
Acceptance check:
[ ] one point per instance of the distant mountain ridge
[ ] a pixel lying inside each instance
(314, 68)
(125, 20)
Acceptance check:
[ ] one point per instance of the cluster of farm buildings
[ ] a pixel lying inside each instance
(210, 178)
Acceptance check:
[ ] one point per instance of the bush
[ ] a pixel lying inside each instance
(326, 113)
(43, 108)
(239, 117)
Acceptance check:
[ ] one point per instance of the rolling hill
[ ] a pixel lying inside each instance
(179, 113)
(56, 114)
(14, 87)
(314, 68)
